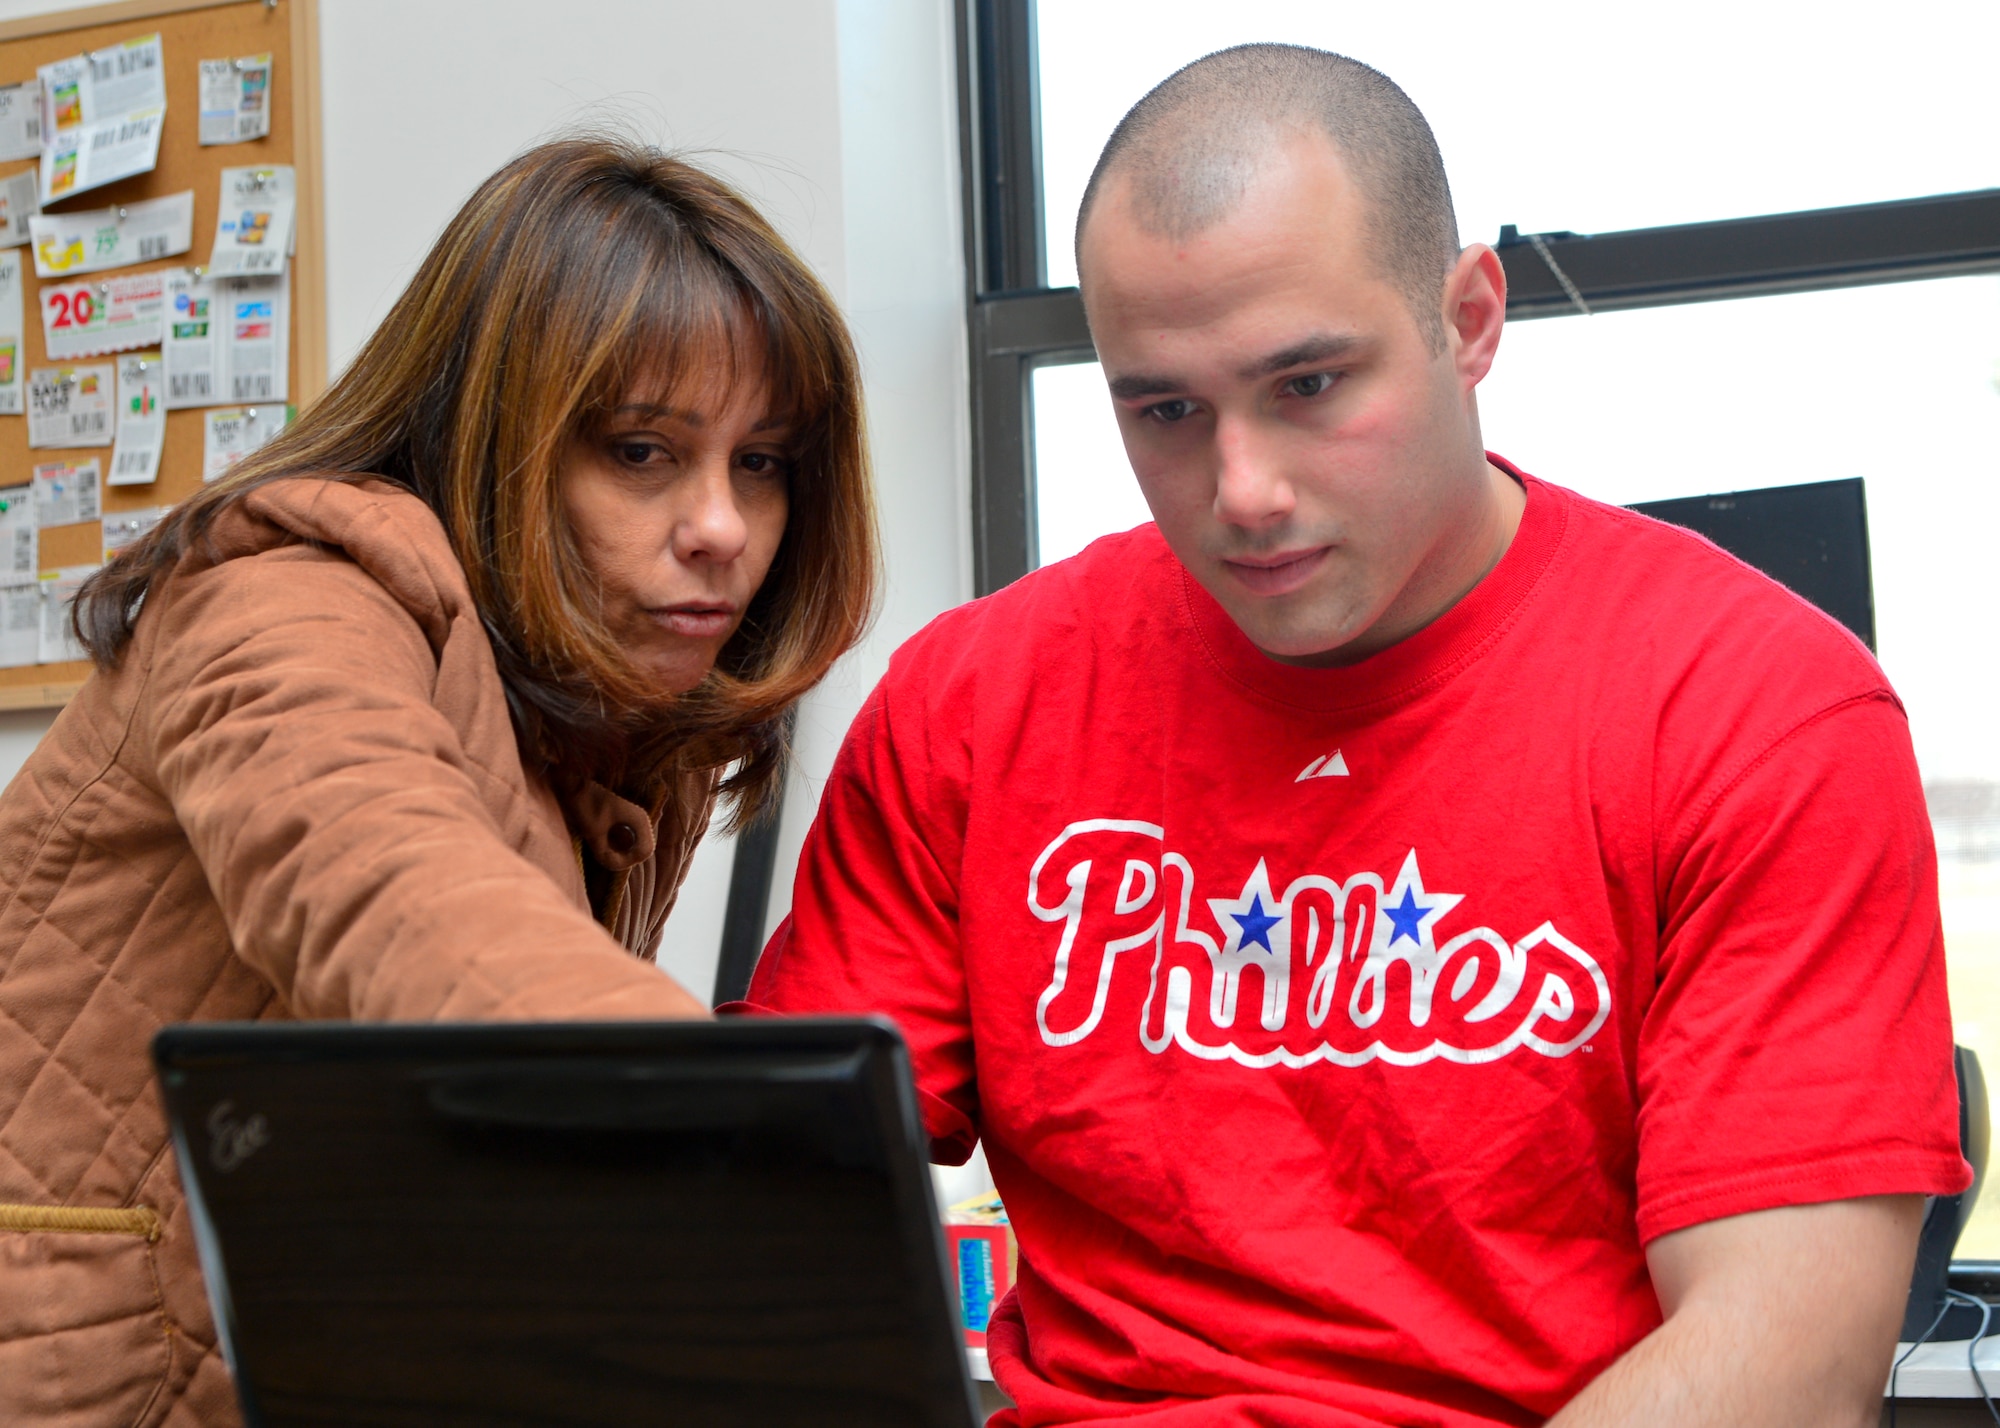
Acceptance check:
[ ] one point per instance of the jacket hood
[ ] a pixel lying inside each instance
(380, 526)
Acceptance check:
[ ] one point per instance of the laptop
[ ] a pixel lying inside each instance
(606, 1225)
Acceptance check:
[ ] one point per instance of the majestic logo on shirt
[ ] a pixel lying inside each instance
(1325, 766)
(1344, 972)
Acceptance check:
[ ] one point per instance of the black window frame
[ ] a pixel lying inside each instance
(1016, 322)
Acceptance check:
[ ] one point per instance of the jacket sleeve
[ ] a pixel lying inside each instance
(336, 813)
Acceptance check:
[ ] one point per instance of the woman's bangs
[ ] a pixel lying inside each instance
(696, 332)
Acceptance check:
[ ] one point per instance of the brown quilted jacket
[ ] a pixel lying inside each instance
(298, 796)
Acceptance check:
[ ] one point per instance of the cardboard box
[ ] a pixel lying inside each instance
(984, 1258)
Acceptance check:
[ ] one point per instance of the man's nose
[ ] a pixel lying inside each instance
(1250, 486)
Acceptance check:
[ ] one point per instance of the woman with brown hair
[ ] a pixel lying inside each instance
(419, 714)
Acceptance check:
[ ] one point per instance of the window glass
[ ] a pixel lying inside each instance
(1898, 384)
(1579, 115)
(1083, 486)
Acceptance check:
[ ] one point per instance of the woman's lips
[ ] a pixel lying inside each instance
(699, 622)
(1279, 574)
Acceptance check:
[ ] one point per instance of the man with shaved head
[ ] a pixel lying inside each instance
(1417, 946)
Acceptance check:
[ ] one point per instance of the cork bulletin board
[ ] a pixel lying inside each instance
(190, 31)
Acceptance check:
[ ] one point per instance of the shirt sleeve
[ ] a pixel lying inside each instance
(874, 920)
(1798, 1047)
(338, 817)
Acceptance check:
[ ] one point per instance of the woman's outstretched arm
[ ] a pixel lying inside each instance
(339, 816)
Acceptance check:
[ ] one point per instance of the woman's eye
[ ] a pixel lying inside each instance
(1179, 409)
(1310, 385)
(761, 463)
(639, 453)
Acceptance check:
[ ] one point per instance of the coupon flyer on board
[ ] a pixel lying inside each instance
(121, 528)
(235, 99)
(101, 117)
(20, 201)
(67, 493)
(102, 315)
(69, 406)
(20, 584)
(227, 339)
(12, 310)
(20, 624)
(142, 421)
(59, 587)
(257, 337)
(21, 120)
(66, 244)
(253, 227)
(20, 547)
(231, 433)
(189, 345)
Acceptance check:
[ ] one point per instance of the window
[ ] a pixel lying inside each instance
(1580, 115)
(1725, 349)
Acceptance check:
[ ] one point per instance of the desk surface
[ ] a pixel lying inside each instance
(1942, 1370)
(1933, 1371)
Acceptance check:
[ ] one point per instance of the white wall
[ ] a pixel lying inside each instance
(424, 101)
(837, 117)
(905, 295)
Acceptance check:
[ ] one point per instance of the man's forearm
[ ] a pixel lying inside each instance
(1782, 1319)
(1699, 1371)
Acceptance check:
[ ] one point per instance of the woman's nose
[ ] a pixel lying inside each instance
(710, 526)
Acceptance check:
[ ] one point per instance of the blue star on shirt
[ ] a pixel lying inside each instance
(1407, 918)
(1256, 924)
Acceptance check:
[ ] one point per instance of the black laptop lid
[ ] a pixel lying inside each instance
(714, 1223)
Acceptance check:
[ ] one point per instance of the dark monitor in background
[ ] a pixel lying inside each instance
(1812, 539)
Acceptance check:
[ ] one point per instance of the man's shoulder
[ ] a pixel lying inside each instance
(1667, 639)
(1649, 584)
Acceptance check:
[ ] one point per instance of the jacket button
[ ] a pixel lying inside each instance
(622, 838)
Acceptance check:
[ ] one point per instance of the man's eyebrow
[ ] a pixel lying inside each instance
(1320, 347)
(1129, 388)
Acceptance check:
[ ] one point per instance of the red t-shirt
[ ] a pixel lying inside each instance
(1338, 1037)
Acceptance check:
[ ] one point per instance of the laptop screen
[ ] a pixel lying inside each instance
(706, 1223)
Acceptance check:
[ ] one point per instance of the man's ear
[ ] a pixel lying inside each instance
(1475, 309)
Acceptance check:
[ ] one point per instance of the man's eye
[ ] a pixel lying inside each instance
(1179, 409)
(1310, 385)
